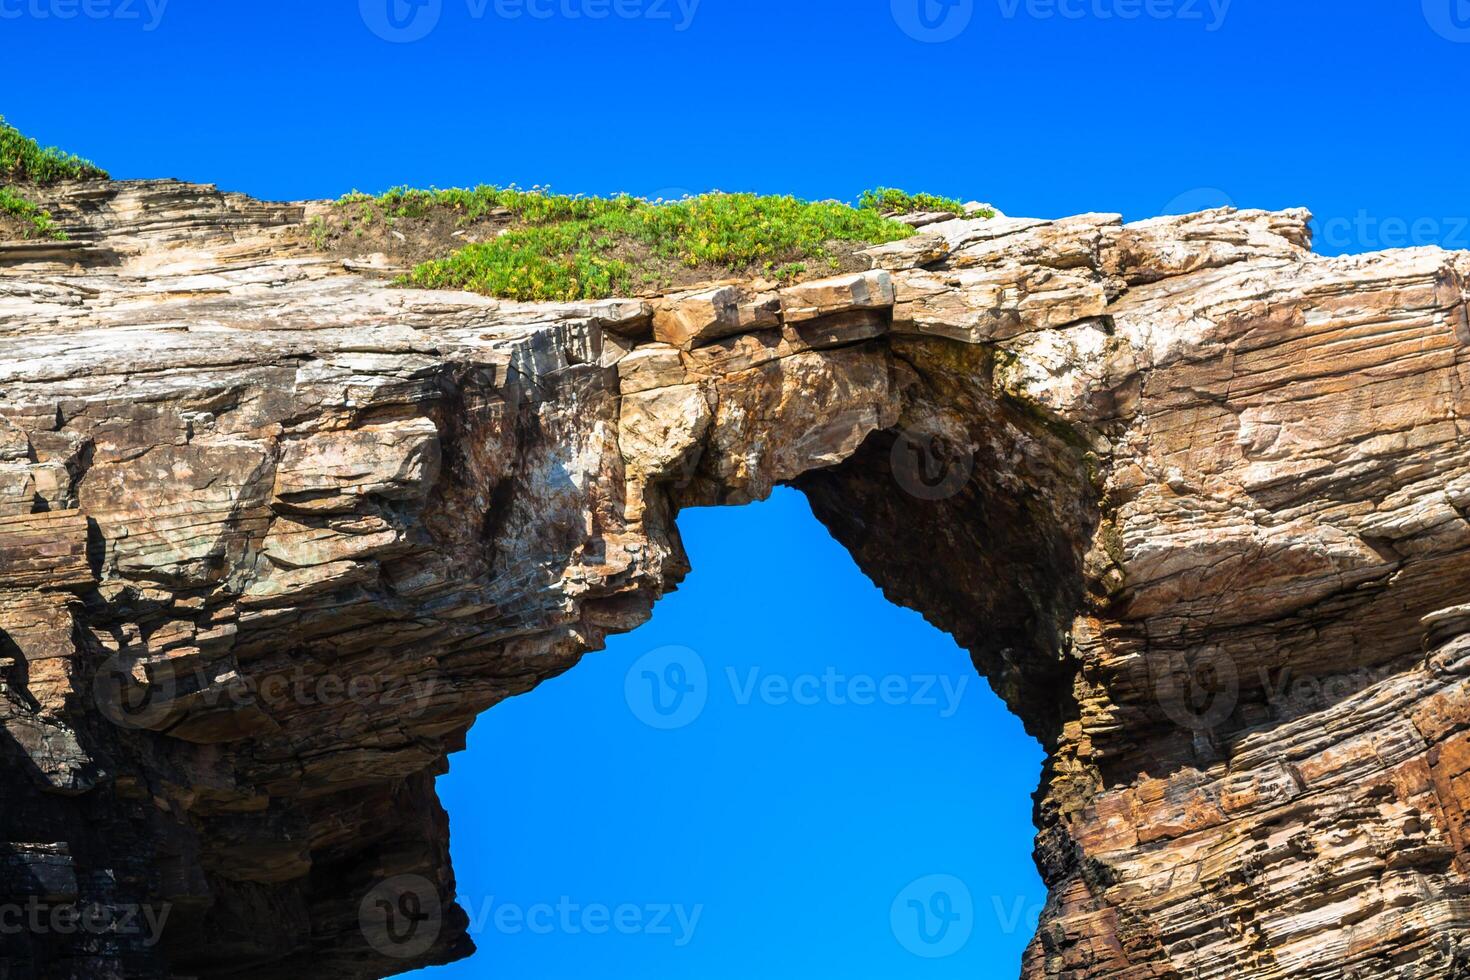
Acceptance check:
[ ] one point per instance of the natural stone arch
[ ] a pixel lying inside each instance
(1199, 457)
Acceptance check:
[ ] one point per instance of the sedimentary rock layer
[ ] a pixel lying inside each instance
(273, 533)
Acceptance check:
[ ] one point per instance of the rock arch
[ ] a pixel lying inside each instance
(1210, 543)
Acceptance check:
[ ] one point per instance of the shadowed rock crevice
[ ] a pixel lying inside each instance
(273, 533)
(989, 535)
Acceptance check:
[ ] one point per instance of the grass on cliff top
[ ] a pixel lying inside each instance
(23, 160)
(557, 247)
(891, 201)
(31, 221)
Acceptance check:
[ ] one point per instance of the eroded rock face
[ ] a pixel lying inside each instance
(272, 535)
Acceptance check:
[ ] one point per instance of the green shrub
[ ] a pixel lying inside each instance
(887, 200)
(23, 159)
(37, 223)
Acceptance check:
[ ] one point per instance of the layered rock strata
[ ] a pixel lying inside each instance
(273, 534)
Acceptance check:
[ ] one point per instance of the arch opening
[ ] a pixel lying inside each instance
(839, 751)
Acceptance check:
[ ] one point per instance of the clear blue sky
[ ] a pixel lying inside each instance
(795, 829)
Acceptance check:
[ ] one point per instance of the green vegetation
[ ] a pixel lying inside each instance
(886, 200)
(560, 247)
(23, 159)
(35, 223)
(318, 231)
(534, 206)
(585, 248)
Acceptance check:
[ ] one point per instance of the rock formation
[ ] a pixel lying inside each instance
(273, 533)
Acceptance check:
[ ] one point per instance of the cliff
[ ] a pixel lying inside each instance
(273, 533)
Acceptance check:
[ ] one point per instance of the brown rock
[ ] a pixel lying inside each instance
(844, 294)
(1195, 500)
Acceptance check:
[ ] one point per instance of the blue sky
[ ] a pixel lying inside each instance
(1045, 107)
(838, 749)
(797, 832)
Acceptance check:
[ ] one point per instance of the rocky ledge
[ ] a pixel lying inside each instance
(273, 533)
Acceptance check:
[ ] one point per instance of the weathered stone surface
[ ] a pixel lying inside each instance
(843, 294)
(272, 534)
(689, 318)
(693, 319)
(651, 366)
